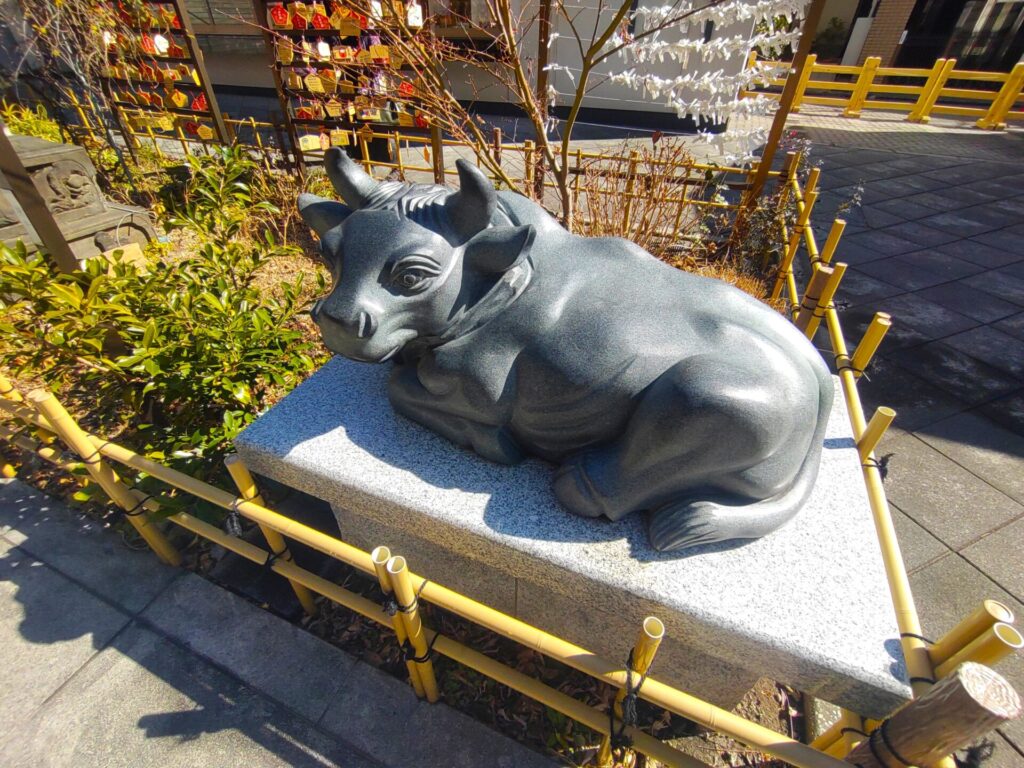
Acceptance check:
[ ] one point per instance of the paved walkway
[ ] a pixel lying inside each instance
(111, 659)
(939, 244)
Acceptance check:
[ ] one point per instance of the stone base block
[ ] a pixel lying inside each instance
(807, 605)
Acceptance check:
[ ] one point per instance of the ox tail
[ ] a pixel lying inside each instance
(711, 520)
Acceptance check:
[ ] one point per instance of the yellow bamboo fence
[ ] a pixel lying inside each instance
(993, 98)
(985, 636)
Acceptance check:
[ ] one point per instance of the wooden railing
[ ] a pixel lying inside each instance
(994, 98)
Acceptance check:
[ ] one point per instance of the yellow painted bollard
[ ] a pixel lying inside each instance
(801, 85)
(278, 546)
(863, 86)
(380, 557)
(995, 643)
(640, 659)
(101, 472)
(409, 610)
(995, 118)
(921, 113)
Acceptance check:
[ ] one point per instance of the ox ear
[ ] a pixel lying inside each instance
(322, 214)
(471, 208)
(498, 249)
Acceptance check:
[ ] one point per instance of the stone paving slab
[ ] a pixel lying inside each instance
(49, 628)
(80, 548)
(199, 678)
(146, 701)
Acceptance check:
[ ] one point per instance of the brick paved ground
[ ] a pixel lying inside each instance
(939, 243)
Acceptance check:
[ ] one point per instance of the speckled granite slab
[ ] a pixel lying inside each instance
(807, 605)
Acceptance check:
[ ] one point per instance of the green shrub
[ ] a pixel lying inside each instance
(28, 122)
(186, 351)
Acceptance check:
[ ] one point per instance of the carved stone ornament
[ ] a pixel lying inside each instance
(653, 390)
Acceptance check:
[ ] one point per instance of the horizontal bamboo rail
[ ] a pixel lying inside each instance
(993, 106)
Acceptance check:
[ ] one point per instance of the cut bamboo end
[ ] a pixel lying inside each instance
(880, 422)
(880, 325)
(832, 241)
(812, 296)
(993, 645)
(654, 628)
(379, 557)
(990, 612)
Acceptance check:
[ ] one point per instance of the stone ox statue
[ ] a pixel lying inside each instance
(652, 389)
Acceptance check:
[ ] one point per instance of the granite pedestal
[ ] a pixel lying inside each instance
(807, 605)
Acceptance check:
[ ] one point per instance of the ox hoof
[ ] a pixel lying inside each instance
(573, 488)
(686, 524)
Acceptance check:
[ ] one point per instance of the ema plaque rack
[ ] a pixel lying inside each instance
(155, 75)
(334, 74)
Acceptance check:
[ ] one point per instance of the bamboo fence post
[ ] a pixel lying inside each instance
(958, 710)
(863, 86)
(983, 617)
(825, 300)
(993, 645)
(627, 208)
(832, 241)
(995, 118)
(437, 153)
(873, 432)
(821, 275)
(528, 170)
(409, 609)
(640, 659)
(496, 143)
(879, 326)
(69, 431)
(922, 110)
(279, 550)
(380, 557)
(786, 266)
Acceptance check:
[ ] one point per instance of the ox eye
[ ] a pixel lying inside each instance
(414, 274)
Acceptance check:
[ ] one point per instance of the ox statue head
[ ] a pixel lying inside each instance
(410, 262)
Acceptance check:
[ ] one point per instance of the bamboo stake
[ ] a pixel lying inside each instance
(380, 557)
(880, 422)
(641, 657)
(958, 710)
(409, 610)
(812, 296)
(993, 645)
(850, 724)
(60, 421)
(827, 294)
(833, 240)
(880, 325)
(786, 266)
(987, 614)
(278, 546)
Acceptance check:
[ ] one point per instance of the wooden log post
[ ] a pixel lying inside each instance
(959, 709)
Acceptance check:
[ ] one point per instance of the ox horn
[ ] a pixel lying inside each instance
(350, 181)
(471, 208)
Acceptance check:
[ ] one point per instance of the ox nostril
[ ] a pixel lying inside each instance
(367, 325)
